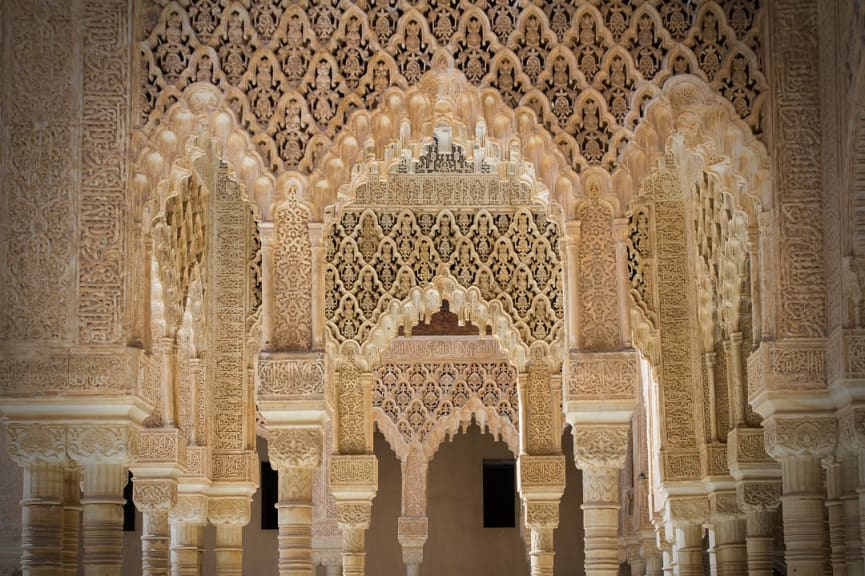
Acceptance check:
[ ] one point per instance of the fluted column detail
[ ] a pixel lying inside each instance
(71, 519)
(154, 498)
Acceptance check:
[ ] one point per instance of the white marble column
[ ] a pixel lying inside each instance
(186, 521)
(71, 519)
(689, 549)
(154, 498)
(731, 555)
(229, 514)
(413, 525)
(295, 452)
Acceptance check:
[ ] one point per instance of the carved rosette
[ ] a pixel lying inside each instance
(294, 448)
(786, 437)
(600, 447)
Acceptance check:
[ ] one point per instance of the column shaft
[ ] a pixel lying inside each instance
(760, 541)
(542, 556)
(295, 521)
(71, 520)
(689, 549)
(229, 549)
(601, 521)
(731, 555)
(353, 555)
(154, 543)
(835, 515)
(804, 514)
(42, 519)
(850, 504)
(185, 548)
(102, 509)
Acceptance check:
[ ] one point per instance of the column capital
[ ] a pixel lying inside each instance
(723, 505)
(234, 510)
(190, 509)
(412, 531)
(597, 447)
(87, 444)
(154, 495)
(688, 510)
(542, 514)
(800, 436)
(36, 443)
(759, 496)
(354, 514)
(294, 447)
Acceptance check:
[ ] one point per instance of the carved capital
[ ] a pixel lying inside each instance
(353, 515)
(412, 531)
(36, 443)
(151, 495)
(597, 447)
(723, 505)
(353, 476)
(294, 447)
(93, 443)
(542, 514)
(190, 508)
(758, 496)
(688, 510)
(234, 511)
(800, 436)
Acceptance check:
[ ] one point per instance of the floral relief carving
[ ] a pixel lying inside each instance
(294, 448)
(293, 278)
(86, 443)
(36, 442)
(152, 495)
(800, 436)
(599, 447)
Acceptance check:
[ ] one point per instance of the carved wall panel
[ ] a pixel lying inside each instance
(373, 258)
(292, 277)
(295, 73)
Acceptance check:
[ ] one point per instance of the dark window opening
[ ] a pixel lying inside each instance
(269, 497)
(499, 494)
(128, 506)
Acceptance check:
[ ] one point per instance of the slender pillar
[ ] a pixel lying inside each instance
(154, 498)
(42, 519)
(850, 504)
(353, 519)
(413, 525)
(804, 514)
(102, 510)
(187, 520)
(71, 520)
(295, 521)
(731, 555)
(835, 515)
(689, 549)
(542, 518)
(601, 520)
(229, 514)
(600, 451)
(295, 452)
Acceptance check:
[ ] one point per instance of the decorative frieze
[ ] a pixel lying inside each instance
(603, 376)
(30, 443)
(67, 372)
(286, 376)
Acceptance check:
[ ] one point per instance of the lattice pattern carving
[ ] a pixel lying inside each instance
(374, 258)
(294, 73)
(293, 278)
(426, 401)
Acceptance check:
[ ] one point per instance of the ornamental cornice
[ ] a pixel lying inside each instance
(786, 437)
(597, 447)
(294, 447)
